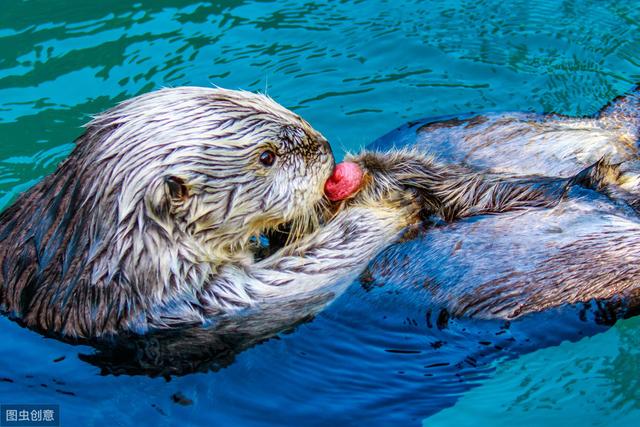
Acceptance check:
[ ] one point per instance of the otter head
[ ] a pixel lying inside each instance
(211, 165)
(158, 192)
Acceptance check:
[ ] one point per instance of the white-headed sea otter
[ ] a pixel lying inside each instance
(149, 222)
(153, 220)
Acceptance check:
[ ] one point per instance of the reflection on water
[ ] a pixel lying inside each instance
(355, 70)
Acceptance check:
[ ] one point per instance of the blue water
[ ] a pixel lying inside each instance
(355, 70)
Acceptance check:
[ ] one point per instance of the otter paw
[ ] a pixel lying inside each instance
(407, 203)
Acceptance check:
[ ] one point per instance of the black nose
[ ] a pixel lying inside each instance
(326, 148)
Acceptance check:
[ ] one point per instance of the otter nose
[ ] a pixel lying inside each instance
(325, 148)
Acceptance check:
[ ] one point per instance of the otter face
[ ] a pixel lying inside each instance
(215, 165)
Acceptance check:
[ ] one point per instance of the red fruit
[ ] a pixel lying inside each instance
(344, 182)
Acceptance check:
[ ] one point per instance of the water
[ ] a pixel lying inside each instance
(354, 70)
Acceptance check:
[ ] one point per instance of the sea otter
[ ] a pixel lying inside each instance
(152, 221)
(149, 222)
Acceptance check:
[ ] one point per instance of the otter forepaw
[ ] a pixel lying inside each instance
(408, 204)
(403, 205)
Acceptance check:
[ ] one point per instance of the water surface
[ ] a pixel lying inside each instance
(355, 70)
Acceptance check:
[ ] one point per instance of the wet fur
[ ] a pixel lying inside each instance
(151, 223)
(582, 249)
(159, 193)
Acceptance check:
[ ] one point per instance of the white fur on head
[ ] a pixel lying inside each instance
(211, 140)
(169, 185)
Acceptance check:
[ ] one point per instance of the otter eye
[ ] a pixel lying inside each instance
(267, 158)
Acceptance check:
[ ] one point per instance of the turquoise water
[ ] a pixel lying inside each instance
(355, 70)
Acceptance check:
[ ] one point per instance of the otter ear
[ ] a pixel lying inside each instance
(166, 196)
(176, 189)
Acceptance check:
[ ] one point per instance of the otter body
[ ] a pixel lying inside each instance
(152, 223)
(584, 249)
